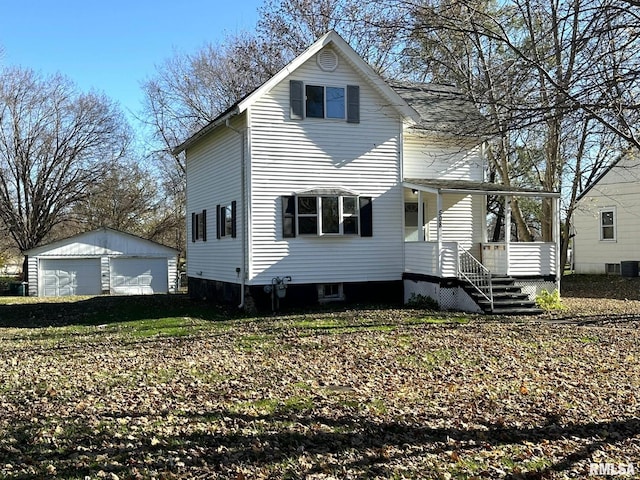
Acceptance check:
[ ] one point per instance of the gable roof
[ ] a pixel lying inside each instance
(621, 162)
(443, 110)
(100, 238)
(342, 47)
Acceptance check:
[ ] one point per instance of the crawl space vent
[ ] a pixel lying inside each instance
(327, 60)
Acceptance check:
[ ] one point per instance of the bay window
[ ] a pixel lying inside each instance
(326, 215)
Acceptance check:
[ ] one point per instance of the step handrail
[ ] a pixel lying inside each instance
(476, 274)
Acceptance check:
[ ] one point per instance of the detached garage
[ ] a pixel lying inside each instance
(103, 261)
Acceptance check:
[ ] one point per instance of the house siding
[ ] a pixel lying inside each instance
(434, 159)
(463, 219)
(32, 275)
(618, 189)
(214, 178)
(295, 155)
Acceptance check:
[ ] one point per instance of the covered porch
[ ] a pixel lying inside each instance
(446, 242)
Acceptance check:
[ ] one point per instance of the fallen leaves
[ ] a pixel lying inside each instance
(331, 395)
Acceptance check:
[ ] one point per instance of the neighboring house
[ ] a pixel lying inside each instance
(606, 222)
(102, 261)
(328, 183)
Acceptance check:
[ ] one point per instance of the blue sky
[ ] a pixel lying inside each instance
(112, 46)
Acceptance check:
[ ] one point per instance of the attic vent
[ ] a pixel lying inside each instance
(327, 60)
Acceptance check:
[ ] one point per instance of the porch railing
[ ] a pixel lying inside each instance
(478, 276)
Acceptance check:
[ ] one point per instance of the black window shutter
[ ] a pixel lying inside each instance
(233, 219)
(353, 104)
(204, 226)
(296, 99)
(193, 226)
(288, 216)
(366, 217)
(218, 222)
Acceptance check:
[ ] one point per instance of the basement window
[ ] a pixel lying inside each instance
(612, 268)
(330, 292)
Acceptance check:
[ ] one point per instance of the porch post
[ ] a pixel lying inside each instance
(421, 236)
(439, 230)
(507, 231)
(555, 229)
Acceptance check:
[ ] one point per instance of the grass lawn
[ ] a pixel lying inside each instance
(160, 387)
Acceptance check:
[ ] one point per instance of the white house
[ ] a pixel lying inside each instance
(103, 261)
(329, 183)
(606, 222)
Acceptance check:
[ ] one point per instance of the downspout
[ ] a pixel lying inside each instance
(243, 195)
(507, 231)
(439, 230)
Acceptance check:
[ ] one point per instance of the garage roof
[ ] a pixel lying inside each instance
(103, 241)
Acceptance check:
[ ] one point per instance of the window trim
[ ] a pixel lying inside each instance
(602, 226)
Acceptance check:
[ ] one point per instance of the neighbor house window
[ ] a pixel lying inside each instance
(199, 226)
(321, 101)
(608, 224)
(226, 220)
(326, 215)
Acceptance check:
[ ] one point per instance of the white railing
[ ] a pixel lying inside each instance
(478, 276)
(520, 258)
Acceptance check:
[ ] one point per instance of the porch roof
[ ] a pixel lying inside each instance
(473, 188)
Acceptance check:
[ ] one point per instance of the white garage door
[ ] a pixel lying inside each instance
(73, 276)
(139, 276)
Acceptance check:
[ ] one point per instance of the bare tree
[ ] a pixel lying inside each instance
(187, 92)
(575, 67)
(54, 145)
(126, 199)
(190, 90)
(374, 29)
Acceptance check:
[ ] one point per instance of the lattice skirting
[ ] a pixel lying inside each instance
(455, 298)
(449, 298)
(533, 288)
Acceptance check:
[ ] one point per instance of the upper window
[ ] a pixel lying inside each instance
(325, 102)
(320, 101)
(326, 215)
(608, 224)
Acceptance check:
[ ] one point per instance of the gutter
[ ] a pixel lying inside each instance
(222, 119)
